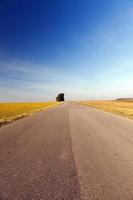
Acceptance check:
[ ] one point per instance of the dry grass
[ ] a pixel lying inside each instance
(117, 107)
(13, 111)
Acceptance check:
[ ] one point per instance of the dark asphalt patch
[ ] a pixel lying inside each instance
(41, 166)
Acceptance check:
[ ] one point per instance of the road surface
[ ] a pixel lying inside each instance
(70, 152)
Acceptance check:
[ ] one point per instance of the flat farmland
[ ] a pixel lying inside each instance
(122, 108)
(12, 111)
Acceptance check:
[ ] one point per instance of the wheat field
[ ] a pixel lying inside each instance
(12, 111)
(122, 108)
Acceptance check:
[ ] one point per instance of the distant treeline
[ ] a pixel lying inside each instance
(124, 99)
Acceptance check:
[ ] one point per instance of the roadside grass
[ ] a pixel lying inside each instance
(12, 111)
(121, 108)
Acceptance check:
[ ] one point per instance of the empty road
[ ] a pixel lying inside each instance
(70, 152)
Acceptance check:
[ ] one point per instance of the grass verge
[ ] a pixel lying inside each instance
(13, 111)
(121, 108)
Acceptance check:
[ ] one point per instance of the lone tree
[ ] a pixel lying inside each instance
(60, 97)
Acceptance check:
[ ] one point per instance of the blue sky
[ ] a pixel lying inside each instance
(83, 48)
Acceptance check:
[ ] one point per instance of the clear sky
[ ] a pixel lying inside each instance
(83, 48)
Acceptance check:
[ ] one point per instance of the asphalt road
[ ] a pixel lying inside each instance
(70, 152)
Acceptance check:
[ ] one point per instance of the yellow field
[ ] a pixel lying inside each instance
(117, 107)
(11, 111)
